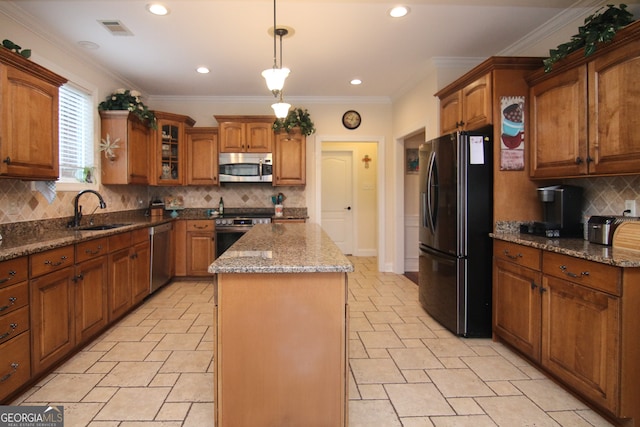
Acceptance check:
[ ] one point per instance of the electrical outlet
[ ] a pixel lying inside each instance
(630, 205)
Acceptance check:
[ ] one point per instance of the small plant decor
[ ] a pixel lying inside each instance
(297, 117)
(125, 99)
(600, 27)
(26, 53)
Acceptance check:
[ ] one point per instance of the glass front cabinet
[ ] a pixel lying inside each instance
(170, 149)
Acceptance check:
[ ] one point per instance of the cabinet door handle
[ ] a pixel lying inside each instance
(77, 278)
(6, 279)
(13, 327)
(7, 160)
(542, 290)
(508, 255)
(12, 301)
(574, 275)
(14, 366)
(533, 285)
(201, 227)
(90, 252)
(578, 160)
(55, 264)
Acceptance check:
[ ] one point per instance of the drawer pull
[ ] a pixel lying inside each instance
(55, 264)
(14, 366)
(574, 275)
(77, 278)
(13, 327)
(508, 255)
(533, 285)
(90, 252)
(12, 300)
(201, 227)
(6, 279)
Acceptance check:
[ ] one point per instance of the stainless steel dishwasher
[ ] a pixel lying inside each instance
(160, 255)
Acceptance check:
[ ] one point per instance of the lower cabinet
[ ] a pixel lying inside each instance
(140, 265)
(575, 318)
(201, 246)
(52, 307)
(91, 278)
(15, 334)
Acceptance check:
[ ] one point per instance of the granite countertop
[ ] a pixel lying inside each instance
(283, 248)
(50, 237)
(575, 247)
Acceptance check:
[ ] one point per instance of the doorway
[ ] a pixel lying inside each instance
(337, 198)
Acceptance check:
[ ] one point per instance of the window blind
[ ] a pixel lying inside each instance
(75, 133)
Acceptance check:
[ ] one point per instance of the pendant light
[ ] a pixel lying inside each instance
(276, 76)
(281, 108)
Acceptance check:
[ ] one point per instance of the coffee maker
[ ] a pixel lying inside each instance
(561, 212)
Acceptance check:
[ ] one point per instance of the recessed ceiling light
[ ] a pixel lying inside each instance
(157, 9)
(356, 82)
(202, 70)
(88, 45)
(399, 11)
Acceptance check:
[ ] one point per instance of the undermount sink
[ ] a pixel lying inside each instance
(102, 227)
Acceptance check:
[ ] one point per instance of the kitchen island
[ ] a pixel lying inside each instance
(281, 329)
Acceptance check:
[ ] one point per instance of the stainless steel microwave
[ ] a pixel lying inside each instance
(246, 167)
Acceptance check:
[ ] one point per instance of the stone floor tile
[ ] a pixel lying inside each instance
(134, 403)
(383, 317)
(372, 413)
(356, 349)
(448, 347)
(417, 400)
(66, 388)
(510, 411)
(80, 363)
(100, 394)
(187, 361)
(360, 324)
(376, 371)
(378, 353)
(547, 396)
(128, 351)
(569, 418)
(175, 326)
(200, 415)
(192, 388)
(381, 339)
(372, 392)
(173, 411)
(465, 406)
(131, 374)
(459, 383)
(503, 388)
(415, 376)
(467, 421)
(412, 330)
(414, 358)
(79, 414)
(494, 368)
(164, 380)
(179, 342)
(126, 333)
(416, 422)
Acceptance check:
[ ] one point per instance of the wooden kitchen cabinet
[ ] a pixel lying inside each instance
(52, 307)
(202, 156)
(581, 319)
(583, 113)
(200, 246)
(131, 164)
(516, 296)
(468, 108)
(129, 271)
(250, 134)
(91, 282)
(29, 129)
(169, 149)
(289, 158)
(15, 336)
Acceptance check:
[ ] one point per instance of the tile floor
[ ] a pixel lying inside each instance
(154, 368)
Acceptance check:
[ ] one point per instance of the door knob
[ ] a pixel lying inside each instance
(348, 208)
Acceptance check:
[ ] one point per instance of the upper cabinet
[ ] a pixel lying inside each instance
(289, 158)
(202, 156)
(130, 163)
(583, 114)
(245, 134)
(170, 149)
(468, 108)
(28, 118)
(473, 101)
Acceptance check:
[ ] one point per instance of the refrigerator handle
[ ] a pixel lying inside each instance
(432, 194)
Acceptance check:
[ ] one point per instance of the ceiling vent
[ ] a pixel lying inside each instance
(116, 28)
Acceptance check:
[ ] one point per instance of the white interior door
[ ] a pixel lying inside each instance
(337, 198)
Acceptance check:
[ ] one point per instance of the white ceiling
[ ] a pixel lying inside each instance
(334, 40)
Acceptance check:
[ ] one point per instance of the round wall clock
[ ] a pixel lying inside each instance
(351, 119)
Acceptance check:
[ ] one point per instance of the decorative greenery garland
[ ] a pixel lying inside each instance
(297, 117)
(26, 53)
(600, 27)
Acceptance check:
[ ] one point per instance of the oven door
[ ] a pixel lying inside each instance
(227, 236)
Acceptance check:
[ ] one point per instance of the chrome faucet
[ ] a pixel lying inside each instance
(77, 210)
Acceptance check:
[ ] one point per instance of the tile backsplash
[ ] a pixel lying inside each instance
(19, 202)
(606, 195)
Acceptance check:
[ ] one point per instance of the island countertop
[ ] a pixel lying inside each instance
(283, 248)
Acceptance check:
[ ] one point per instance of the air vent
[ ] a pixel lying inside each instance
(116, 28)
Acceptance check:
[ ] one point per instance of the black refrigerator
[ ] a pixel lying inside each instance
(456, 217)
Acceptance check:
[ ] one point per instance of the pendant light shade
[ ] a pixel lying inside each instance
(281, 109)
(275, 78)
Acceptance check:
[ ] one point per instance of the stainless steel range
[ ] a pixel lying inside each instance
(230, 228)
